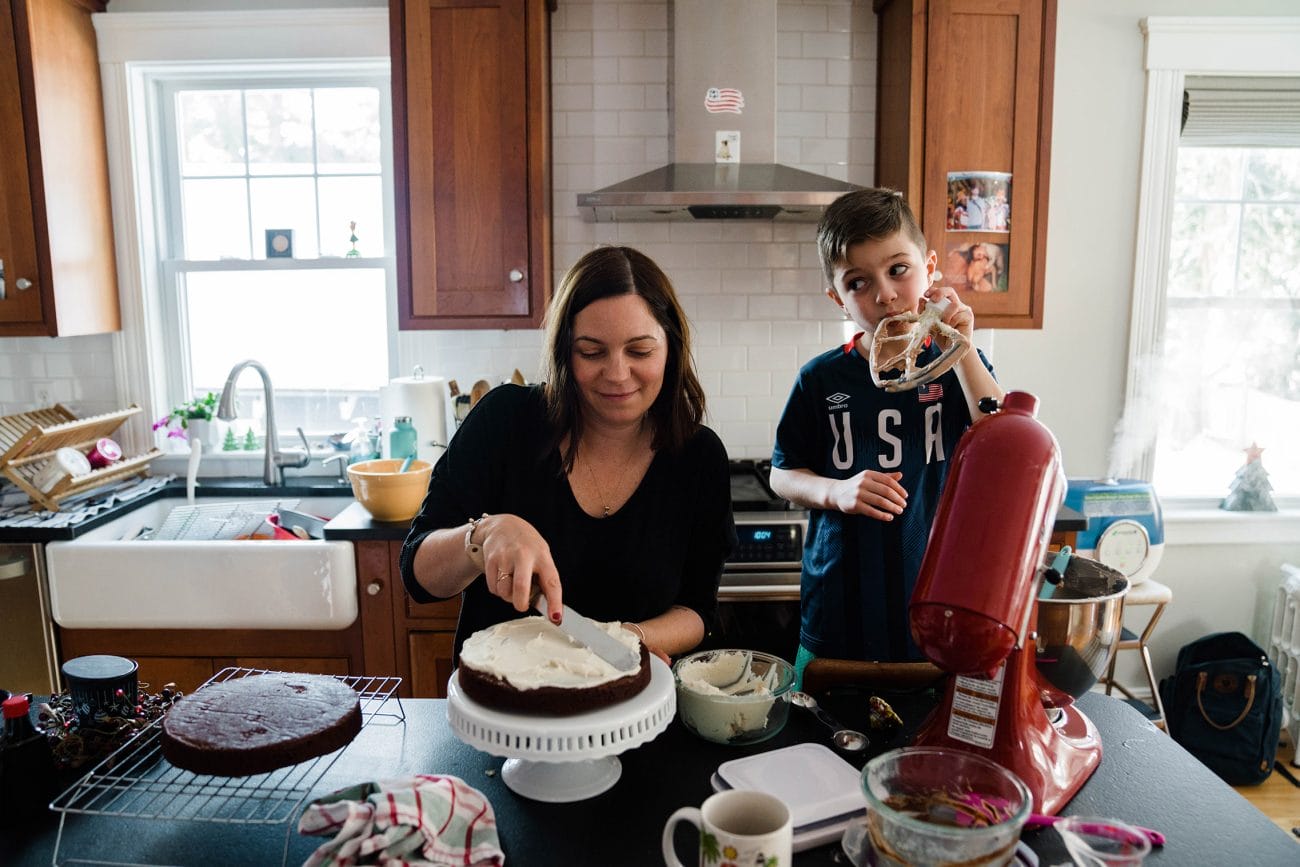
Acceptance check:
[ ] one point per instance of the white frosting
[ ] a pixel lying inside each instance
(532, 652)
(721, 697)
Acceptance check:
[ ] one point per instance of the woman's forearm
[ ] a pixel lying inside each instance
(674, 632)
(441, 564)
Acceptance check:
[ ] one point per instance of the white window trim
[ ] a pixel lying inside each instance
(1177, 47)
(129, 43)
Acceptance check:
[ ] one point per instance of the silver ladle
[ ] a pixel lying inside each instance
(846, 739)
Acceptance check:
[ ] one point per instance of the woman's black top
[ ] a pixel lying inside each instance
(664, 547)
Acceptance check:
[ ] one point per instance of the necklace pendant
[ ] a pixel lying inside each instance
(606, 511)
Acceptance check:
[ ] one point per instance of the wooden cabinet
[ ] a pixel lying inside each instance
(188, 657)
(471, 121)
(965, 86)
(57, 266)
(402, 637)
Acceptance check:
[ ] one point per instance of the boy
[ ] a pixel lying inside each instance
(869, 464)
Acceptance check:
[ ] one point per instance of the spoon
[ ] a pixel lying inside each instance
(846, 739)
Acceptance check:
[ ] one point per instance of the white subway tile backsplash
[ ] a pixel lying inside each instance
(752, 289)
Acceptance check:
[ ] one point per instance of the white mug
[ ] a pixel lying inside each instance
(737, 827)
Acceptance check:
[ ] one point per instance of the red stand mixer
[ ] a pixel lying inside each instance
(974, 611)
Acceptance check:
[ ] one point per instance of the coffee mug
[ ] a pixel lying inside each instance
(736, 827)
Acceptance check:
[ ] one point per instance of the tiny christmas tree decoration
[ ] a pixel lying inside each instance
(1249, 491)
(230, 444)
(353, 254)
(250, 441)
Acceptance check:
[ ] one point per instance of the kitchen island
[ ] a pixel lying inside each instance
(1144, 778)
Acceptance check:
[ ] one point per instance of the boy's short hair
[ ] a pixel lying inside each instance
(870, 214)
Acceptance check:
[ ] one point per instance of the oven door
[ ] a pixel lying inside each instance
(758, 600)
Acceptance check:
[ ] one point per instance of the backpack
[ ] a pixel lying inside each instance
(1223, 704)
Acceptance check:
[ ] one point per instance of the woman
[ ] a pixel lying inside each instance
(600, 488)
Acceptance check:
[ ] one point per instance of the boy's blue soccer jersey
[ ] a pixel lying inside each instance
(858, 571)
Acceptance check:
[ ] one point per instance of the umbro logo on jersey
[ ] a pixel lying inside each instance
(838, 400)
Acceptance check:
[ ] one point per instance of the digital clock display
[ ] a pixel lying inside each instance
(761, 535)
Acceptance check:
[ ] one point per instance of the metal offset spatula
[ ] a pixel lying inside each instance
(585, 631)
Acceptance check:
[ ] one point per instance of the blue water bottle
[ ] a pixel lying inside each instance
(401, 442)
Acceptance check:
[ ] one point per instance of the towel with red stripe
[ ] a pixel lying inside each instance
(423, 820)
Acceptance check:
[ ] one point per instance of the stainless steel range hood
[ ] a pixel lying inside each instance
(724, 87)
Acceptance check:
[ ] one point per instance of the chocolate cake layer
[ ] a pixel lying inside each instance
(256, 724)
(493, 692)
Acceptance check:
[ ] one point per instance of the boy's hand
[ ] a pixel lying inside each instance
(876, 495)
(959, 314)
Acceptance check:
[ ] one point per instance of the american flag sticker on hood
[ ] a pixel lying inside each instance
(728, 99)
(929, 393)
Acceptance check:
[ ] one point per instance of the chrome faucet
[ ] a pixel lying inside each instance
(276, 460)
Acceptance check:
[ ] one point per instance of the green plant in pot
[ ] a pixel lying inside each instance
(177, 422)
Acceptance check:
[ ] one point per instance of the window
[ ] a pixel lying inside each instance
(1216, 290)
(1232, 320)
(273, 240)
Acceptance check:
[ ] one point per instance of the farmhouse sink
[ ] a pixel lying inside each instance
(101, 581)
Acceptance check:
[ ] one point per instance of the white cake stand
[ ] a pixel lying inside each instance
(570, 758)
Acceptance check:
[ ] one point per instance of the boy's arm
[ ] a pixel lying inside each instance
(976, 382)
(874, 494)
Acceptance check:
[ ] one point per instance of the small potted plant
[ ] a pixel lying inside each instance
(192, 419)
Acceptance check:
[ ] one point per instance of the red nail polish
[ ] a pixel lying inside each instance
(555, 617)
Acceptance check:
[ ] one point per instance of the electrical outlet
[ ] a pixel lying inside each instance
(42, 391)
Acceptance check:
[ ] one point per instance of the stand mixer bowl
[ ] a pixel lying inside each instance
(1079, 626)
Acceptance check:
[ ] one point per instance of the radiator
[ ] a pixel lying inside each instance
(1284, 648)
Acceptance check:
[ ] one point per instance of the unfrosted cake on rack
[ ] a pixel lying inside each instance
(529, 665)
(255, 724)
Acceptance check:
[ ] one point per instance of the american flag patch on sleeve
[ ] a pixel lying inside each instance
(929, 393)
(720, 99)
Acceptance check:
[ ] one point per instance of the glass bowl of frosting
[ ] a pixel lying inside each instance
(733, 696)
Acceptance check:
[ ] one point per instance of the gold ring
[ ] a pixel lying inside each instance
(501, 576)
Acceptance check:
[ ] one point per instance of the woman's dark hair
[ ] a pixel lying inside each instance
(608, 272)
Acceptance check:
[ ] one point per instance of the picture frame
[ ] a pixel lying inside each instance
(279, 243)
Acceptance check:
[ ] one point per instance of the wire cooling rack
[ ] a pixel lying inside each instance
(136, 782)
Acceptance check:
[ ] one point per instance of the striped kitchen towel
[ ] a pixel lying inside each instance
(423, 820)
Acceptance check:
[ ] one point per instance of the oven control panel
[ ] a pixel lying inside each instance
(768, 543)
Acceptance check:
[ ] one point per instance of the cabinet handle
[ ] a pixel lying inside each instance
(2, 279)
(374, 587)
(516, 275)
(23, 283)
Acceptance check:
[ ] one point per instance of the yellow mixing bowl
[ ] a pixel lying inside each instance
(387, 494)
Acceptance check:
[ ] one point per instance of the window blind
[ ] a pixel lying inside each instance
(1242, 112)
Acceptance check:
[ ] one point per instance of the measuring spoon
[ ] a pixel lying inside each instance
(846, 739)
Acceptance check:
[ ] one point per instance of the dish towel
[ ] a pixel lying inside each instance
(423, 820)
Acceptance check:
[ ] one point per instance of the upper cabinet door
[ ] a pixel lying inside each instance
(56, 229)
(965, 132)
(471, 130)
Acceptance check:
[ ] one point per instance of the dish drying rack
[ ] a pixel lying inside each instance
(136, 782)
(29, 439)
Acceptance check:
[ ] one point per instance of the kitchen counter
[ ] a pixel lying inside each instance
(1144, 777)
(354, 524)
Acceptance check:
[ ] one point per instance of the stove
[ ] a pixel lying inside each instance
(769, 533)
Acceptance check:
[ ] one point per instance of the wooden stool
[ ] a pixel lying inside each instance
(1148, 592)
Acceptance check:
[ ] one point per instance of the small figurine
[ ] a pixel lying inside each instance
(353, 253)
(250, 441)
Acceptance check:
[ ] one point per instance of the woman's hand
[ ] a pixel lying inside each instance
(871, 493)
(517, 563)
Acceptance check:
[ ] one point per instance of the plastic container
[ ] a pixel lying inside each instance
(101, 684)
(105, 452)
(402, 440)
(65, 462)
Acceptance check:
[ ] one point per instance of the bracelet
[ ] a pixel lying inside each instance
(639, 631)
(473, 550)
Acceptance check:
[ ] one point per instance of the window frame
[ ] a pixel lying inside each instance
(1177, 47)
(135, 46)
